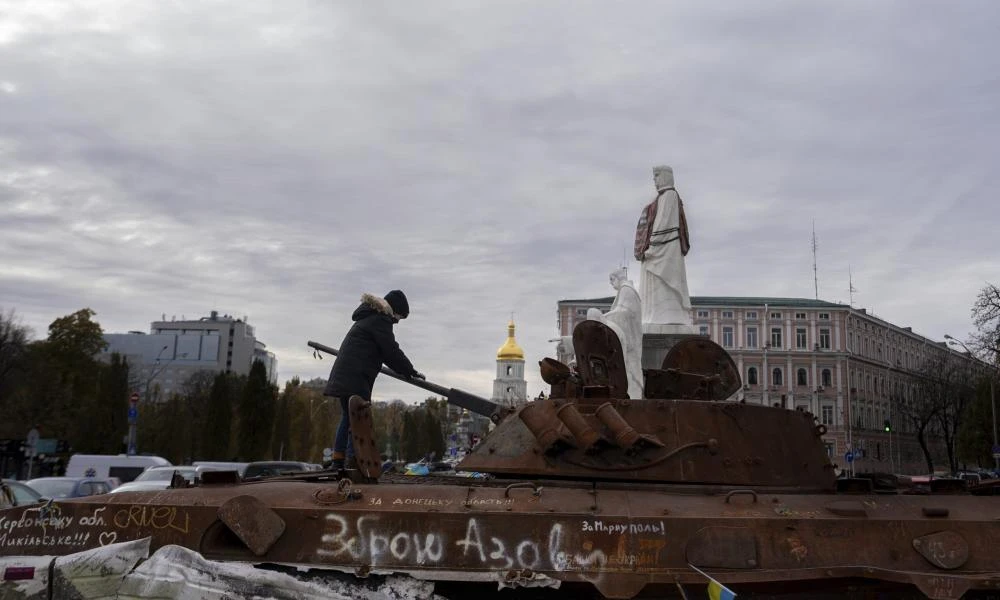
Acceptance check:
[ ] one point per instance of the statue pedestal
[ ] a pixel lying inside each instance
(656, 345)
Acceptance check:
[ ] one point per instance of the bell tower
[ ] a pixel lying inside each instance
(510, 388)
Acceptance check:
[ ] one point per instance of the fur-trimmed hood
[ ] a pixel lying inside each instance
(371, 303)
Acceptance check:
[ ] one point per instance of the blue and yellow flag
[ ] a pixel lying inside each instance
(716, 591)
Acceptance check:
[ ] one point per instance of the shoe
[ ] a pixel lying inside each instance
(337, 464)
(351, 464)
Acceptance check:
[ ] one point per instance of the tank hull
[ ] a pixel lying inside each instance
(622, 542)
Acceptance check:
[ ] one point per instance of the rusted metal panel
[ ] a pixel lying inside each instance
(620, 541)
(599, 358)
(363, 437)
(944, 549)
(690, 441)
(253, 522)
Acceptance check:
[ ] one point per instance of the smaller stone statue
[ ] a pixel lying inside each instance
(625, 319)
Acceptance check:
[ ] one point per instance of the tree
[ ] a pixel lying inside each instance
(281, 435)
(435, 438)
(986, 318)
(14, 339)
(106, 410)
(975, 438)
(77, 334)
(196, 393)
(256, 414)
(412, 433)
(938, 404)
(218, 418)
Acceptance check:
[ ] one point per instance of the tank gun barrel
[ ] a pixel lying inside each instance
(463, 399)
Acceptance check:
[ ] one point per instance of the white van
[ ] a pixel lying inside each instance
(125, 468)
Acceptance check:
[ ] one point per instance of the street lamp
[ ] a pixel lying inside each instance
(993, 405)
(154, 372)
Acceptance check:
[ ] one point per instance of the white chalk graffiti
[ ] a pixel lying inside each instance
(52, 525)
(366, 542)
(370, 540)
(530, 554)
(618, 528)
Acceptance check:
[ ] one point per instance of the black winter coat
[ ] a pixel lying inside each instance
(369, 343)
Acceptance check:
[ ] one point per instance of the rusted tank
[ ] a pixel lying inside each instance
(590, 491)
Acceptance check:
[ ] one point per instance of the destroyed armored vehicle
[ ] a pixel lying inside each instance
(590, 491)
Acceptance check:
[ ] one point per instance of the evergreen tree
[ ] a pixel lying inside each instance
(256, 415)
(411, 448)
(281, 436)
(218, 419)
(432, 433)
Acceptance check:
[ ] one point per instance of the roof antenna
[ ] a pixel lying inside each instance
(850, 285)
(815, 272)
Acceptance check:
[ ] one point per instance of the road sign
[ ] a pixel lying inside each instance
(996, 449)
(133, 414)
(849, 457)
(31, 443)
(134, 398)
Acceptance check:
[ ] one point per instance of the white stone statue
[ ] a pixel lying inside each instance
(625, 319)
(565, 352)
(661, 242)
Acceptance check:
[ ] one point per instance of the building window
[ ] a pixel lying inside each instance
(751, 337)
(510, 370)
(702, 314)
(801, 377)
(776, 315)
(752, 376)
(727, 314)
(581, 312)
(703, 330)
(752, 315)
(824, 339)
(776, 337)
(824, 316)
(727, 337)
(800, 316)
(827, 378)
(776, 376)
(826, 414)
(800, 338)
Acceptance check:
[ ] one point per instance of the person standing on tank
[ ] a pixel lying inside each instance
(368, 345)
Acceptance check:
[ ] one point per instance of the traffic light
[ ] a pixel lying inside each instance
(888, 426)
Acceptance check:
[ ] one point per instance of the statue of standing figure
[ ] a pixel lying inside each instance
(661, 243)
(625, 319)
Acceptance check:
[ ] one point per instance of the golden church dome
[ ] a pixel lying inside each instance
(510, 350)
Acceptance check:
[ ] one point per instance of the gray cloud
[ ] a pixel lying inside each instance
(277, 159)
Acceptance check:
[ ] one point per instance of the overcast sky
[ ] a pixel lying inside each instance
(277, 159)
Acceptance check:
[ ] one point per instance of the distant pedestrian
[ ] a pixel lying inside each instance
(368, 344)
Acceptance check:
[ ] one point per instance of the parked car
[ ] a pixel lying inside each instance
(15, 493)
(125, 468)
(239, 467)
(158, 478)
(69, 487)
(272, 468)
(969, 477)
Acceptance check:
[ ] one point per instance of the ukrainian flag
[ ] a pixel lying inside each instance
(716, 591)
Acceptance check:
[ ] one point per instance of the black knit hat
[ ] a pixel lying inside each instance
(398, 304)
